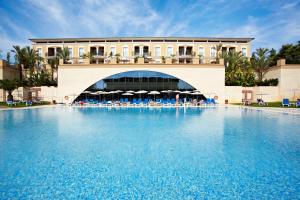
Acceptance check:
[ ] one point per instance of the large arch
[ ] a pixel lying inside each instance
(73, 79)
(140, 80)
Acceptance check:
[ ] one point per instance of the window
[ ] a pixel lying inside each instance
(201, 51)
(244, 51)
(70, 52)
(113, 50)
(125, 51)
(157, 51)
(81, 52)
(39, 51)
(213, 52)
(169, 51)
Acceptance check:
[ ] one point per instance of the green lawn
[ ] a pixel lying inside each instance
(270, 104)
(20, 105)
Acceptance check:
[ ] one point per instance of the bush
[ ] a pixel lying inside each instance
(268, 82)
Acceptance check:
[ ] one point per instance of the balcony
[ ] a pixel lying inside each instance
(119, 60)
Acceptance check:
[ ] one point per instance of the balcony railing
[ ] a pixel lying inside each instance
(143, 60)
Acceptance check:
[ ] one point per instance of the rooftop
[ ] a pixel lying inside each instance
(140, 39)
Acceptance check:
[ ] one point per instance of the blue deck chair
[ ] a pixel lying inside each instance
(145, 101)
(173, 101)
(285, 102)
(28, 103)
(213, 101)
(298, 103)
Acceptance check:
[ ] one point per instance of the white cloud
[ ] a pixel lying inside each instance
(99, 18)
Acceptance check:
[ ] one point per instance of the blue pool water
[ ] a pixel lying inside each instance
(141, 153)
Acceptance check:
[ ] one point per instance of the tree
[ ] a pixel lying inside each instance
(19, 59)
(260, 62)
(64, 54)
(53, 62)
(0, 54)
(218, 49)
(8, 57)
(290, 52)
(238, 71)
(9, 86)
(91, 56)
(26, 58)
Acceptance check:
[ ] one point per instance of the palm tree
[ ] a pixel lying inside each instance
(218, 49)
(9, 86)
(8, 57)
(90, 56)
(260, 62)
(19, 59)
(118, 57)
(64, 54)
(53, 62)
(31, 59)
(26, 58)
(237, 68)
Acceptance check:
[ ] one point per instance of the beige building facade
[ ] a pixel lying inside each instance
(193, 60)
(7, 71)
(156, 50)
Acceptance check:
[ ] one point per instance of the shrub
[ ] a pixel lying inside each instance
(268, 82)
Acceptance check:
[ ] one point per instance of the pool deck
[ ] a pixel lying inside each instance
(292, 111)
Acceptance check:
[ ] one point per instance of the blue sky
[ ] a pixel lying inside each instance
(271, 22)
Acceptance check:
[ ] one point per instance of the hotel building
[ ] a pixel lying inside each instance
(192, 61)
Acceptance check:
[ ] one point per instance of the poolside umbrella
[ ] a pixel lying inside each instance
(112, 92)
(127, 94)
(140, 92)
(185, 92)
(167, 91)
(196, 93)
(176, 91)
(130, 91)
(118, 91)
(86, 92)
(154, 93)
(294, 90)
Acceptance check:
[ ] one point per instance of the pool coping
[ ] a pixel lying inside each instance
(292, 111)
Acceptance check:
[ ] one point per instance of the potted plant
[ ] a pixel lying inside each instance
(9, 86)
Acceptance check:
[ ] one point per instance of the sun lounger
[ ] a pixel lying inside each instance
(298, 103)
(285, 102)
(261, 102)
(11, 103)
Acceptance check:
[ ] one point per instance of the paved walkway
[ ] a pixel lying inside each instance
(293, 111)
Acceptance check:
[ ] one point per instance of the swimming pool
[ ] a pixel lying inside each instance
(149, 153)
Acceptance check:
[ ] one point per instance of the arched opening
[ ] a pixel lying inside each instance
(141, 87)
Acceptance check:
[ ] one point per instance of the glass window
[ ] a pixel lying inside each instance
(81, 52)
(157, 51)
(125, 51)
(113, 50)
(170, 51)
(213, 52)
(70, 52)
(244, 51)
(201, 51)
